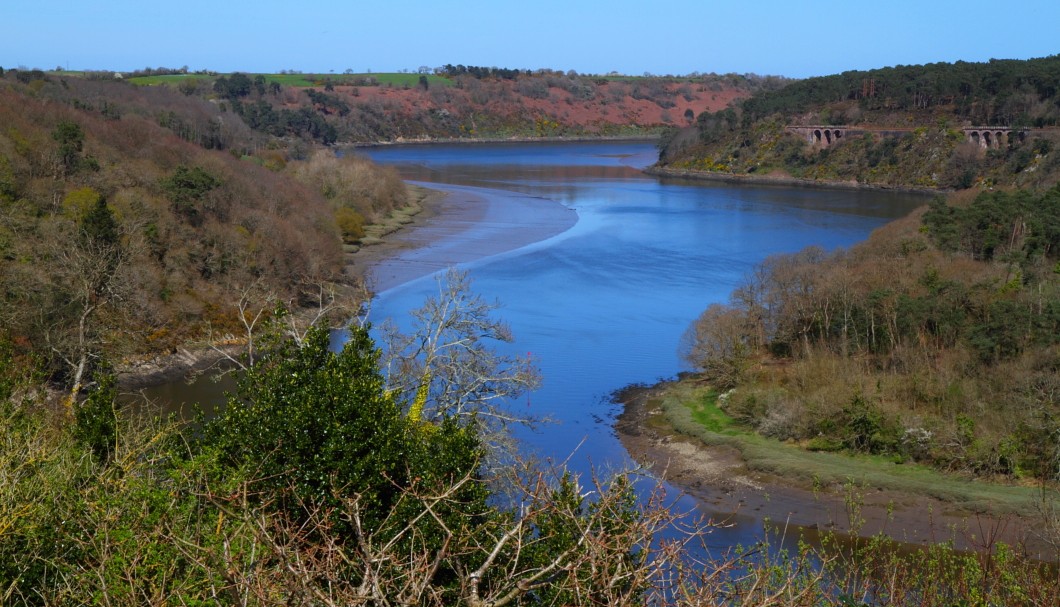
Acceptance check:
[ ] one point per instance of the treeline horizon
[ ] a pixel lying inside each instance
(448, 69)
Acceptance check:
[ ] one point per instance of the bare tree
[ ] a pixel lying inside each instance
(720, 342)
(83, 277)
(263, 314)
(446, 367)
(565, 544)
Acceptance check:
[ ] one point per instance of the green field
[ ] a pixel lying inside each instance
(306, 80)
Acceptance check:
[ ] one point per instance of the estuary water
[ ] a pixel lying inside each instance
(603, 300)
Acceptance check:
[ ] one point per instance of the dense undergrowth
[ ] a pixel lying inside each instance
(124, 234)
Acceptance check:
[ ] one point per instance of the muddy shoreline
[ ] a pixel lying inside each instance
(719, 478)
(492, 140)
(452, 225)
(781, 180)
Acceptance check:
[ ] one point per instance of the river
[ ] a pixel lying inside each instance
(602, 300)
(598, 269)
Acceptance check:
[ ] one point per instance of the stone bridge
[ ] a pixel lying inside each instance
(986, 137)
(989, 137)
(823, 136)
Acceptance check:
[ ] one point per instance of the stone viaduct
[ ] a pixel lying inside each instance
(986, 137)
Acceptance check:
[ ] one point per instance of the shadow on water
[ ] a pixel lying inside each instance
(183, 398)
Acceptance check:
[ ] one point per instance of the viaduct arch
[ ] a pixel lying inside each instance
(986, 137)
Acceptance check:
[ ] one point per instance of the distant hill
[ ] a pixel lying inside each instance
(541, 105)
(909, 123)
(458, 102)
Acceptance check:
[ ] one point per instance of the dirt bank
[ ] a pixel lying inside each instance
(718, 477)
(783, 180)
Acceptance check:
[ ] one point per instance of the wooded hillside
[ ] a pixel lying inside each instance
(136, 219)
(453, 102)
(924, 107)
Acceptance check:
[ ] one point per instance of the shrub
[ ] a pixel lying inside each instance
(312, 425)
(351, 224)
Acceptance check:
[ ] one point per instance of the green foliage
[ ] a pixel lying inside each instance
(303, 122)
(350, 223)
(98, 225)
(187, 187)
(1016, 226)
(165, 523)
(867, 430)
(234, 87)
(328, 103)
(980, 91)
(319, 424)
(96, 418)
(79, 202)
(71, 139)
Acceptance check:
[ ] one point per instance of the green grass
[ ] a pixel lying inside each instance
(401, 79)
(693, 411)
(705, 411)
(169, 79)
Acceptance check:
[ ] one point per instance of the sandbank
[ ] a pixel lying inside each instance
(463, 225)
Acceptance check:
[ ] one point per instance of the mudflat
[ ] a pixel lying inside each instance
(460, 225)
(717, 476)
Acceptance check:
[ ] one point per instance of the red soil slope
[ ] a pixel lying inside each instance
(656, 103)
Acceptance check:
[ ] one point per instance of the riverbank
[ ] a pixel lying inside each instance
(469, 223)
(783, 180)
(494, 140)
(720, 475)
(444, 226)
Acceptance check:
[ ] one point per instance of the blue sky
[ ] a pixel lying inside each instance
(790, 38)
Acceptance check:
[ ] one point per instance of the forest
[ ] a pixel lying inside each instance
(136, 221)
(449, 102)
(925, 105)
(997, 92)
